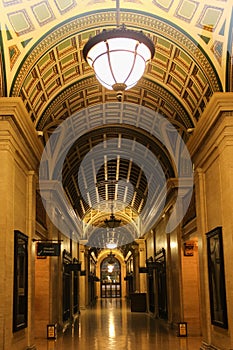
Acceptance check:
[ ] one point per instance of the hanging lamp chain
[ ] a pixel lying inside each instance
(118, 13)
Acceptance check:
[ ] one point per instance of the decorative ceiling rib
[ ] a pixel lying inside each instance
(118, 179)
(115, 154)
(41, 61)
(23, 22)
(86, 93)
(56, 64)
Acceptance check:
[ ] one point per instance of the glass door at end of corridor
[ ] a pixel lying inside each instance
(110, 278)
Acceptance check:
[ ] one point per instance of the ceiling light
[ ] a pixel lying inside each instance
(110, 268)
(112, 222)
(119, 56)
(111, 259)
(111, 245)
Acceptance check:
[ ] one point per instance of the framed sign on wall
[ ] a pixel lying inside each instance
(217, 289)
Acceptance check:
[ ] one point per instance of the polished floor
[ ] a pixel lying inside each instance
(111, 325)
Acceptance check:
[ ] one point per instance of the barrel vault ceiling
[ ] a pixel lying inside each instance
(41, 62)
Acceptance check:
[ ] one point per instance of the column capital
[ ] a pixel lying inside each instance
(218, 109)
(18, 130)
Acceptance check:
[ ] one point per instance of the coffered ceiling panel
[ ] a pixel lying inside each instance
(41, 45)
(23, 23)
(41, 61)
(119, 179)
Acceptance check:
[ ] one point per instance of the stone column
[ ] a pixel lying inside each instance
(142, 263)
(82, 284)
(6, 238)
(31, 224)
(203, 268)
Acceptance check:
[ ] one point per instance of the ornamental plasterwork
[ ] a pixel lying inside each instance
(152, 26)
(24, 23)
(76, 97)
(56, 63)
(42, 62)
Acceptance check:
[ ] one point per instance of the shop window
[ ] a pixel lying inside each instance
(66, 286)
(20, 293)
(75, 294)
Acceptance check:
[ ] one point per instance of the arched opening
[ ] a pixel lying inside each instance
(110, 277)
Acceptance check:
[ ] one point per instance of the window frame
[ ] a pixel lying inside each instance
(20, 286)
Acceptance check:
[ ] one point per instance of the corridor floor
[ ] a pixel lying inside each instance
(111, 325)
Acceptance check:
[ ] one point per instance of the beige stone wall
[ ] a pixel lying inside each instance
(41, 297)
(150, 244)
(191, 289)
(49, 283)
(211, 148)
(19, 155)
(174, 285)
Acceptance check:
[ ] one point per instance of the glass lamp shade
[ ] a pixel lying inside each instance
(111, 245)
(119, 57)
(110, 268)
(112, 222)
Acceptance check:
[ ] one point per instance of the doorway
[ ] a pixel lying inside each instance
(110, 278)
(151, 291)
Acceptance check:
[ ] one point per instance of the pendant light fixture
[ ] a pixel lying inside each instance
(119, 56)
(111, 259)
(112, 222)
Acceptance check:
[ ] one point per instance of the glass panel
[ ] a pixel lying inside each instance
(75, 295)
(122, 44)
(102, 70)
(144, 52)
(20, 304)
(97, 50)
(66, 295)
(137, 72)
(121, 63)
(111, 278)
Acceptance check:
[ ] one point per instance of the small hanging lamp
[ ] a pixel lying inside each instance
(112, 222)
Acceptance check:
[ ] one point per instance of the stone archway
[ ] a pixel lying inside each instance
(110, 277)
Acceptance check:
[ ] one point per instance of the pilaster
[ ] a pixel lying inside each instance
(142, 263)
(83, 279)
(211, 148)
(20, 152)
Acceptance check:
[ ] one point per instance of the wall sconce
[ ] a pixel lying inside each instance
(189, 248)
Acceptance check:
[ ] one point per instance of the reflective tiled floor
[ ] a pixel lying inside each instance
(111, 325)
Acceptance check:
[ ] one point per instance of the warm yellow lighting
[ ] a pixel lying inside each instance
(173, 245)
(110, 268)
(112, 222)
(111, 245)
(111, 329)
(119, 57)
